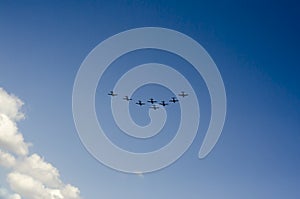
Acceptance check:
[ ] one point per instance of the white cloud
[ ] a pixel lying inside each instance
(14, 196)
(70, 192)
(27, 186)
(10, 105)
(7, 160)
(5, 195)
(36, 167)
(30, 176)
(10, 139)
(31, 188)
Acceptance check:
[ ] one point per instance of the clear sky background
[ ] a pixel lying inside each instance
(255, 46)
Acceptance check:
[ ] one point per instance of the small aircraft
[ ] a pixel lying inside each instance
(140, 103)
(127, 98)
(163, 103)
(112, 94)
(154, 107)
(183, 94)
(152, 101)
(174, 100)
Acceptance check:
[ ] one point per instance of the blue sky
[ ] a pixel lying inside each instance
(255, 46)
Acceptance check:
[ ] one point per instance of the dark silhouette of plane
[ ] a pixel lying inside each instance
(174, 100)
(152, 101)
(183, 94)
(140, 103)
(163, 103)
(127, 98)
(154, 107)
(111, 93)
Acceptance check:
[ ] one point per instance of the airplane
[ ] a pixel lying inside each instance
(163, 103)
(112, 94)
(154, 107)
(183, 94)
(127, 98)
(174, 100)
(140, 103)
(152, 101)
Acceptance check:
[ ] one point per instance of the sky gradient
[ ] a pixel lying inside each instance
(255, 46)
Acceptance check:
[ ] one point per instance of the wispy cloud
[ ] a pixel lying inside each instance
(29, 176)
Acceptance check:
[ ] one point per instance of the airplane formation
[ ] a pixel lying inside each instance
(154, 104)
